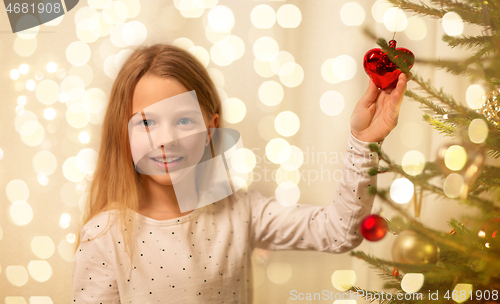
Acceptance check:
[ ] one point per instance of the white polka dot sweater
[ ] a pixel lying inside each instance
(204, 257)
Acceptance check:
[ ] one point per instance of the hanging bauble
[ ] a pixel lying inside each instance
(373, 227)
(381, 69)
(491, 108)
(412, 248)
(489, 234)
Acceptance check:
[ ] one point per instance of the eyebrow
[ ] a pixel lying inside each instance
(188, 111)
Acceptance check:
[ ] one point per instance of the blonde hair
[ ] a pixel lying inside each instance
(115, 183)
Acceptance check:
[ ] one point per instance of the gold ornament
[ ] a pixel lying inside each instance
(411, 248)
(491, 108)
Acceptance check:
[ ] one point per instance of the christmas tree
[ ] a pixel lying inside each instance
(462, 264)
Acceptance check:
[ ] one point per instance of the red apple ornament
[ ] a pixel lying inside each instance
(381, 69)
(373, 227)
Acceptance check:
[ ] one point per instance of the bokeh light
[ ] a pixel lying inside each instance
(47, 91)
(342, 280)
(412, 282)
(279, 273)
(475, 96)
(287, 193)
(395, 20)
(40, 271)
(287, 123)
(332, 103)
(291, 158)
(16, 275)
(238, 45)
(87, 160)
(402, 190)
(71, 171)
(221, 18)
(265, 48)
(234, 110)
(282, 175)
(24, 68)
(344, 67)
(78, 53)
(266, 129)
(134, 32)
(352, 14)
(278, 60)
(416, 29)
(478, 130)
(453, 24)
(271, 93)
(274, 148)
(42, 247)
(262, 68)
(453, 185)
(413, 162)
(455, 157)
(263, 16)
(243, 160)
(201, 54)
(327, 72)
(65, 220)
(291, 74)
(217, 77)
(44, 162)
(379, 8)
(17, 190)
(21, 213)
(183, 43)
(462, 289)
(289, 16)
(14, 74)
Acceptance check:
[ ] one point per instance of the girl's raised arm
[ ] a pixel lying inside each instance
(333, 228)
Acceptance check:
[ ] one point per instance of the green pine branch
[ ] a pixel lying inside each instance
(429, 104)
(442, 127)
(467, 41)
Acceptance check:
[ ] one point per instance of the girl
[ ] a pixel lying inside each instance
(138, 245)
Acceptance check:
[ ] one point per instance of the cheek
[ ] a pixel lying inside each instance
(139, 146)
(195, 143)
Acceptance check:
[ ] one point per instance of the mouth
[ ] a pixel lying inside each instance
(168, 160)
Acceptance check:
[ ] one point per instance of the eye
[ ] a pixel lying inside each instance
(185, 121)
(146, 122)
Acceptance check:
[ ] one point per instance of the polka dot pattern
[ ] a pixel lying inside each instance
(204, 257)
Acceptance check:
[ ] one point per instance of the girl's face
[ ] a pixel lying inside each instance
(167, 124)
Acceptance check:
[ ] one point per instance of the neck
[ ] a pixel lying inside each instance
(168, 200)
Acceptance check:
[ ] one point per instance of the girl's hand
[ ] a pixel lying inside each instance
(376, 113)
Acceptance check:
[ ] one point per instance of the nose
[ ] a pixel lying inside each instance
(166, 137)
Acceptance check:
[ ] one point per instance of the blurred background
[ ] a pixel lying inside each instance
(289, 74)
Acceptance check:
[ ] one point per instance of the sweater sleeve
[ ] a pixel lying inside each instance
(94, 279)
(333, 228)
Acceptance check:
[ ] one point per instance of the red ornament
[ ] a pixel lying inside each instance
(395, 272)
(373, 227)
(381, 69)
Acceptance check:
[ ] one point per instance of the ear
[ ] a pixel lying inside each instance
(215, 120)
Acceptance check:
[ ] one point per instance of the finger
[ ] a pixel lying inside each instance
(370, 95)
(398, 92)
